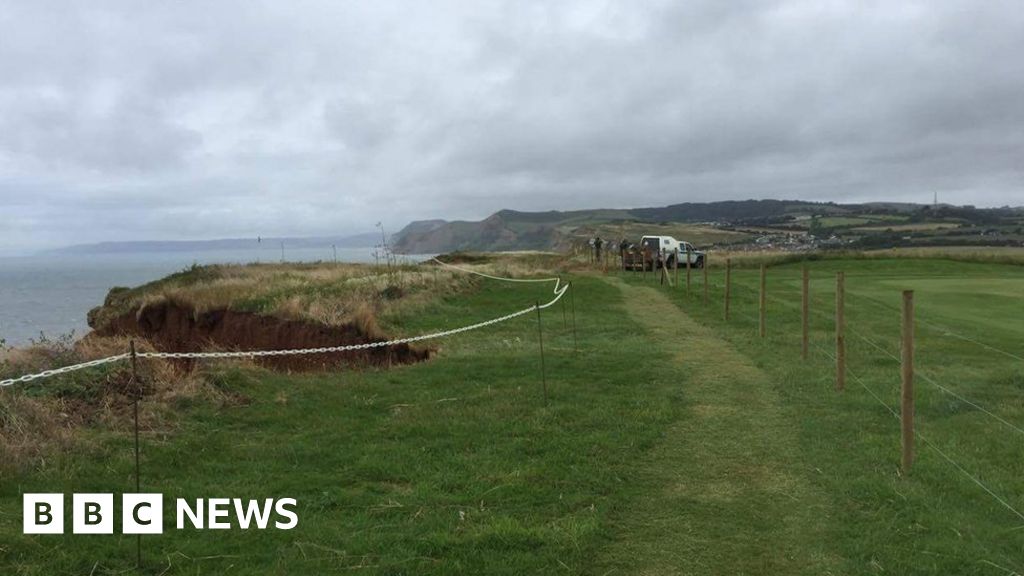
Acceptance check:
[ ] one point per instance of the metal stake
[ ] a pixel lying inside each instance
(565, 322)
(543, 372)
(138, 395)
(572, 302)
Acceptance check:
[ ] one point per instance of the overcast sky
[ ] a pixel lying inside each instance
(188, 119)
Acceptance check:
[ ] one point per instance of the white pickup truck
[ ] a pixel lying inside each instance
(663, 250)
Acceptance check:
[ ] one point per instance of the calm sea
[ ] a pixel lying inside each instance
(51, 294)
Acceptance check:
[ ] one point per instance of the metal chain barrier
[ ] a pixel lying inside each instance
(556, 279)
(64, 370)
(331, 349)
(559, 292)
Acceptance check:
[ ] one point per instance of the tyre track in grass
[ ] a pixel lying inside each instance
(726, 490)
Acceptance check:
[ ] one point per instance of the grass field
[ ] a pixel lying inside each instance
(916, 227)
(842, 221)
(455, 465)
(698, 234)
(937, 520)
(673, 442)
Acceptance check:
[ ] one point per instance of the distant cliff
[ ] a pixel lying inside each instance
(711, 223)
(496, 233)
(513, 230)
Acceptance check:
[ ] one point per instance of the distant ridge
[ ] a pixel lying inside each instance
(554, 230)
(364, 240)
(514, 230)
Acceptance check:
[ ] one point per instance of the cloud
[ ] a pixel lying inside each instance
(257, 118)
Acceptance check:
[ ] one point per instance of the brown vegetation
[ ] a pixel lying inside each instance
(173, 328)
(40, 418)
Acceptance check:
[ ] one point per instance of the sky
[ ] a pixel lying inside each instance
(122, 120)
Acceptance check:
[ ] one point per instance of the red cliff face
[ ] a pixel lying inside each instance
(172, 328)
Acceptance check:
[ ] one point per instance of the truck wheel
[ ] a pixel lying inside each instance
(700, 262)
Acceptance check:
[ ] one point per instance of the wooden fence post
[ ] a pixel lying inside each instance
(763, 304)
(704, 266)
(840, 331)
(728, 285)
(675, 266)
(907, 388)
(688, 267)
(805, 316)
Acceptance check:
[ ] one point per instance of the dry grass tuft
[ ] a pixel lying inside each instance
(43, 418)
(31, 429)
(330, 294)
(365, 319)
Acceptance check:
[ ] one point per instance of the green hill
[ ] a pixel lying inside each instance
(872, 224)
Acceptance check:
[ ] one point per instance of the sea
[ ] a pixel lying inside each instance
(48, 296)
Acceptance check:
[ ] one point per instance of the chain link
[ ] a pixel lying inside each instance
(333, 349)
(64, 370)
(286, 352)
(558, 290)
(556, 279)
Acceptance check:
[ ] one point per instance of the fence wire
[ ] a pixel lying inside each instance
(924, 375)
(894, 411)
(944, 329)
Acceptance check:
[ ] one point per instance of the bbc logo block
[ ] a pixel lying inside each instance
(43, 513)
(142, 514)
(93, 513)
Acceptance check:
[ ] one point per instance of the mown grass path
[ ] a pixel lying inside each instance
(726, 491)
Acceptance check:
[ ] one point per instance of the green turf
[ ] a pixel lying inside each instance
(722, 482)
(936, 521)
(672, 443)
(455, 465)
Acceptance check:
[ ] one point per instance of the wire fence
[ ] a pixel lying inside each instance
(744, 294)
(891, 356)
(924, 438)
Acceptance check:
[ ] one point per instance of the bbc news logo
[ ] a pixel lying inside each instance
(144, 513)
